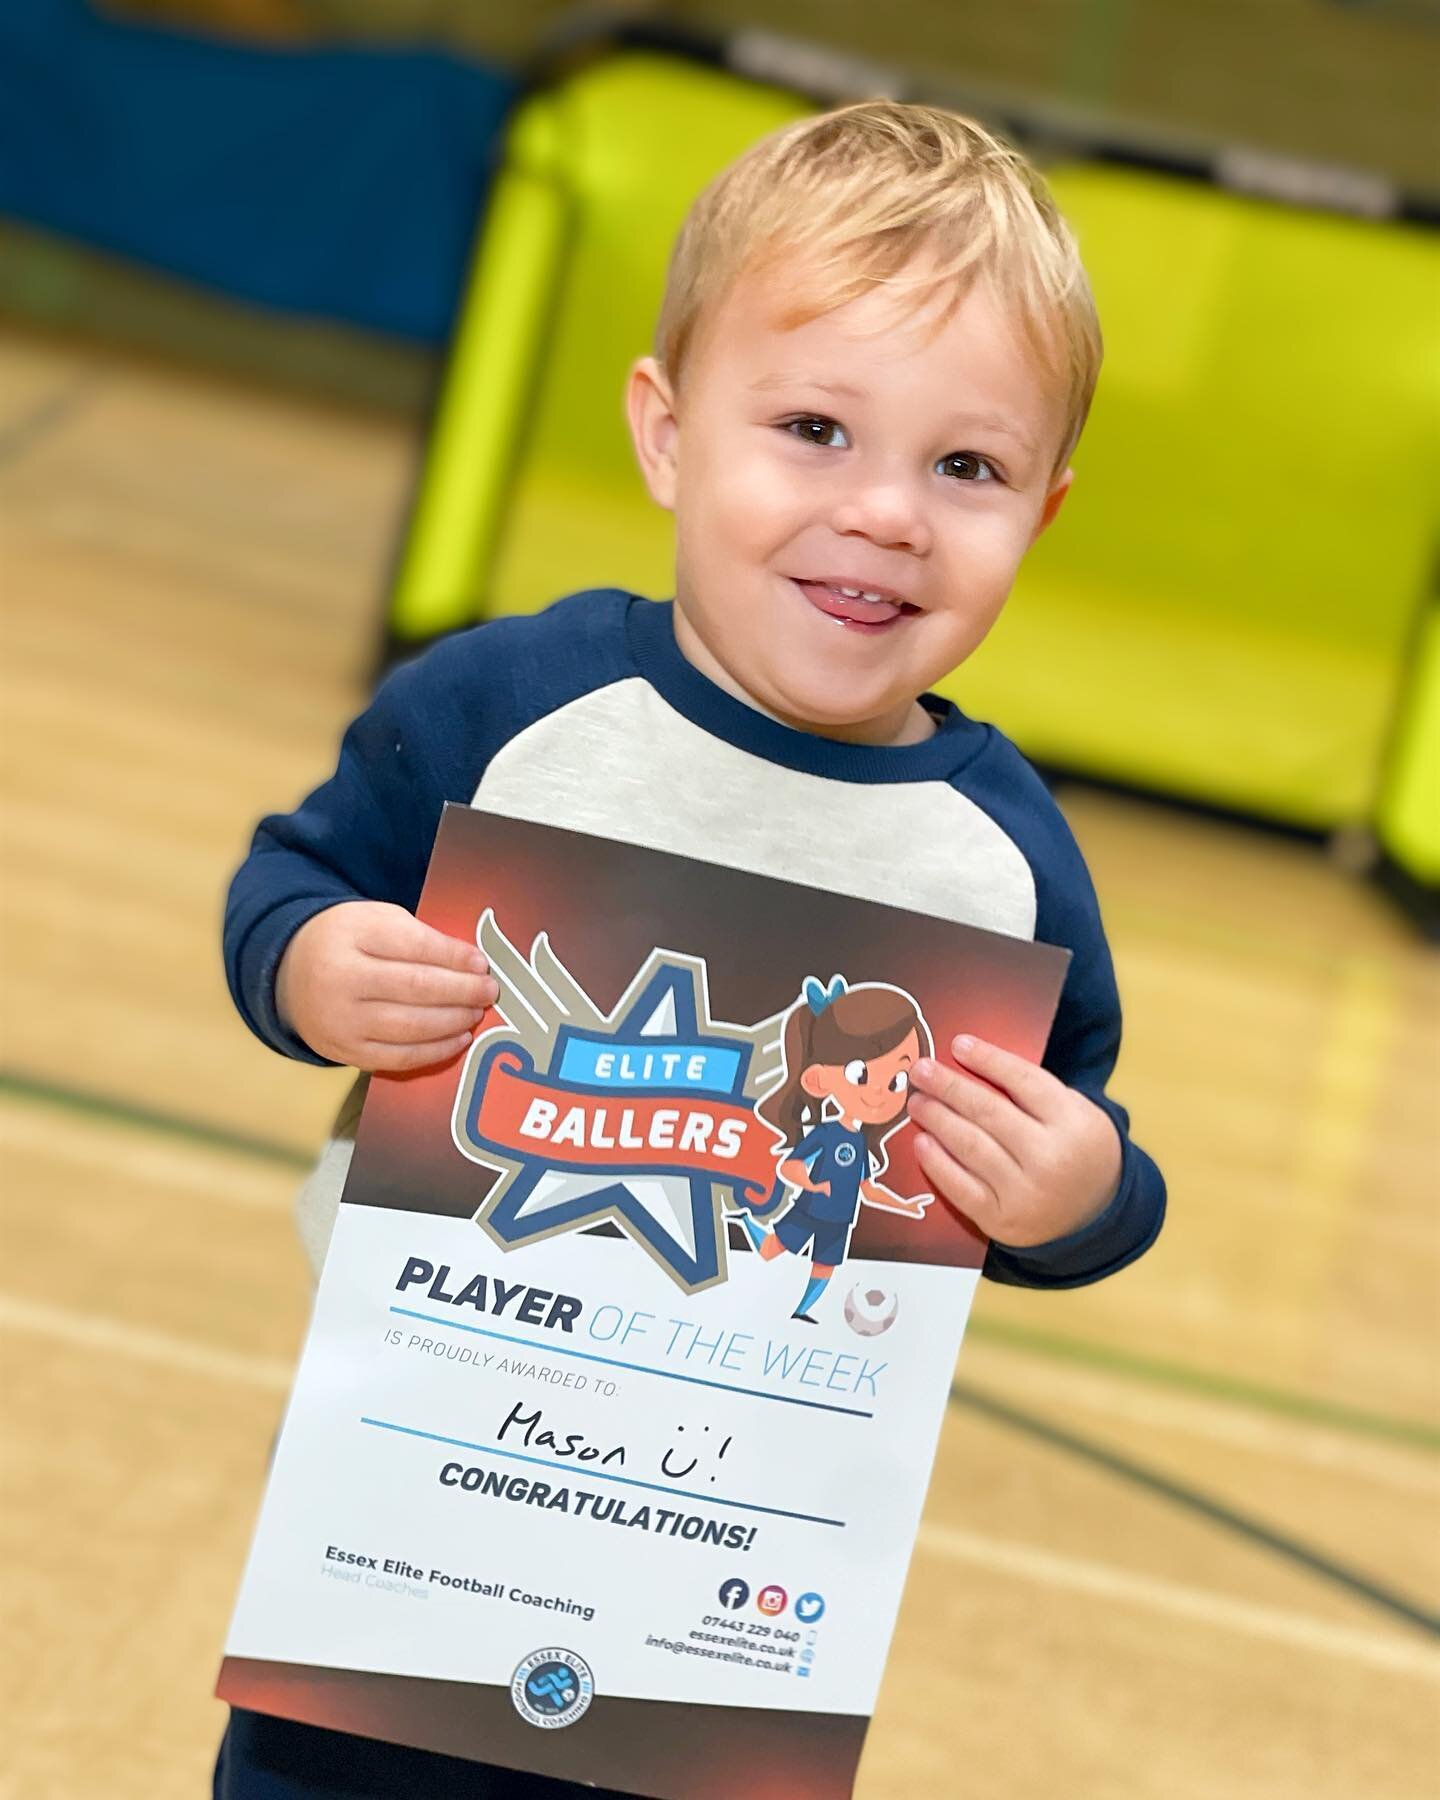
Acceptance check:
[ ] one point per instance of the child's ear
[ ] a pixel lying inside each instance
(1054, 500)
(650, 408)
(813, 1081)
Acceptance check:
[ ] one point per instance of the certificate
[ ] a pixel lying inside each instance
(611, 1434)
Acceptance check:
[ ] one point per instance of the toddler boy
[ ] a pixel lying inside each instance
(874, 358)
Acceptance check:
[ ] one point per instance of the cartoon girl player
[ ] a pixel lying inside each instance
(847, 1052)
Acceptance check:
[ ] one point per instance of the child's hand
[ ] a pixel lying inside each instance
(1033, 1162)
(366, 983)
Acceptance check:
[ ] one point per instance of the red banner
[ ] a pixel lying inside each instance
(531, 1118)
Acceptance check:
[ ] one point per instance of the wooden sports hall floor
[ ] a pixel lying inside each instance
(1181, 1537)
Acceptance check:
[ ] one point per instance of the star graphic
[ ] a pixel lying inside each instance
(675, 1215)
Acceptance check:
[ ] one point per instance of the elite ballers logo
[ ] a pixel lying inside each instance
(552, 1688)
(645, 1115)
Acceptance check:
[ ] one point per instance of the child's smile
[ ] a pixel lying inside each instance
(855, 608)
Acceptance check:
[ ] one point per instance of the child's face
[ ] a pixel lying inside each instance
(927, 477)
(873, 1091)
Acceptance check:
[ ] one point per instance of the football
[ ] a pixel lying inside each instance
(870, 1310)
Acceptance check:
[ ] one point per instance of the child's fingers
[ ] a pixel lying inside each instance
(965, 1192)
(399, 1059)
(393, 934)
(1034, 1089)
(996, 1114)
(423, 984)
(970, 1144)
(383, 1023)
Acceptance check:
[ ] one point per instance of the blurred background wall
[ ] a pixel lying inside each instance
(1349, 83)
(1341, 81)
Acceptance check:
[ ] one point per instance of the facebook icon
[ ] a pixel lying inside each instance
(734, 1594)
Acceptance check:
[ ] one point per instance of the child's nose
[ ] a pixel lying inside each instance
(887, 512)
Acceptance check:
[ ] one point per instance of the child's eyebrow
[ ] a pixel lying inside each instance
(991, 422)
(795, 378)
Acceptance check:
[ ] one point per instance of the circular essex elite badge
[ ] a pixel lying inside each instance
(552, 1687)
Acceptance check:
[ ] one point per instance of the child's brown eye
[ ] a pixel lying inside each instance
(965, 465)
(815, 431)
(856, 1073)
(899, 1082)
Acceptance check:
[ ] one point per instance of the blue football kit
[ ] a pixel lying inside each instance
(831, 1153)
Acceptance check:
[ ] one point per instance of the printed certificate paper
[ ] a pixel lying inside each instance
(609, 1443)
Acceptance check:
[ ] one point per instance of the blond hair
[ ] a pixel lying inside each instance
(907, 198)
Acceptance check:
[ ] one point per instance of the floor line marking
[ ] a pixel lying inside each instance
(125, 1112)
(165, 1166)
(19, 436)
(1210, 1384)
(1103, 1581)
(1191, 1499)
(1067, 1387)
(180, 1355)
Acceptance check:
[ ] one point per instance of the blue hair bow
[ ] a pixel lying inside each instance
(817, 997)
